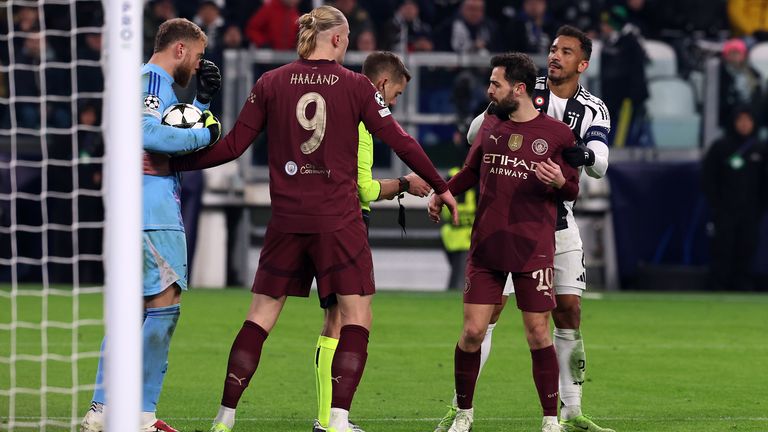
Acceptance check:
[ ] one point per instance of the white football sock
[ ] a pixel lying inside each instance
(226, 416)
(572, 362)
(339, 419)
(549, 420)
(148, 418)
(485, 347)
(569, 412)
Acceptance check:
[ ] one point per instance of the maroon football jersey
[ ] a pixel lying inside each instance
(514, 226)
(312, 109)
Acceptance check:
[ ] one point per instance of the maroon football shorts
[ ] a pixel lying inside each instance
(533, 290)
(340, 260)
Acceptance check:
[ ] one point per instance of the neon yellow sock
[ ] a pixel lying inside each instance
(324, 351)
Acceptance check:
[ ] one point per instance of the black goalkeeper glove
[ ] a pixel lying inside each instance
(208, 81)
(214, 127)
(579, 155)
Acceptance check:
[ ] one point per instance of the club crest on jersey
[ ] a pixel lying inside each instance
(515, 142)
(573, 117)
(251, 97)
(291, 168)
(380, 99)
(538, 101)
(152, 102)
(539, 147)
(467, 285)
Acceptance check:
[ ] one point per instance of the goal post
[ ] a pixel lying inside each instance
(123, 223)
(70, 169)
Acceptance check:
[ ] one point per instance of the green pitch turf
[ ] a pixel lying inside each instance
(656, 362)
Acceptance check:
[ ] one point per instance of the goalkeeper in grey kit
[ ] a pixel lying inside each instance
(178, 52)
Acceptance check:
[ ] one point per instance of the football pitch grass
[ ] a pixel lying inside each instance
(656, 362)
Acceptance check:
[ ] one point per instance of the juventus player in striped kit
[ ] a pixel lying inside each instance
(560, 95)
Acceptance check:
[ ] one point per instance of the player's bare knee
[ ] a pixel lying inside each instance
(168, 297)
(473, 335)
(538, 335)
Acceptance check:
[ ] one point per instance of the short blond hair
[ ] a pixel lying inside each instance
(310, 24)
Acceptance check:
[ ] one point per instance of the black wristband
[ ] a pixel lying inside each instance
(404, 184)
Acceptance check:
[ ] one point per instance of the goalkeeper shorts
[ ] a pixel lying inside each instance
(165, 261)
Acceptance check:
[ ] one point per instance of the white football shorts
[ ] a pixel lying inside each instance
(570, 274)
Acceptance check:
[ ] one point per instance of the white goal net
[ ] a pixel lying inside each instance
(55, 181)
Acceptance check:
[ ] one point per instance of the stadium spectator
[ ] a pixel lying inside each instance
(366, 41)
(156, 12)
(507, 239)
(561, 96)
(442, 11)
(734, 181)
(90, 78)
(622, 79)
(406, 32)
(468, 31)
(749, 18)
(532, 30)
(456, 238)
(239, 12)
(90, 208)
(358, 18)
(221, 36)
(642, 15)
(36, 50)
(274, 25)
(26, 19)
(303, 242)
(739, 83)
(178, 49)
(582, 14)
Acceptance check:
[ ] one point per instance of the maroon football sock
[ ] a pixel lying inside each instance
(348, 365)
(243, 360)
(466, 368)
(545, 376)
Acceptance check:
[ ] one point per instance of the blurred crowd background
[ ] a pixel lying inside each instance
(668, 70)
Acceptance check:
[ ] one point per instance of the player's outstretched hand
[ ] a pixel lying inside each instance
(550, 174)
(418, 187)
(450, 201)
(579, 155)
(156, 164)
(208, 81)
(214, 126)
(434, 207)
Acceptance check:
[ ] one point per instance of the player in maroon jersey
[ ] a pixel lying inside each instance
(517, 159)
(311, 109)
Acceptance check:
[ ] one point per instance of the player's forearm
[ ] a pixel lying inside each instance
(160, 138)
(463, 181)
(229, 148)
(600, 166)
(410, 152)
(390, 188)
(570, 190)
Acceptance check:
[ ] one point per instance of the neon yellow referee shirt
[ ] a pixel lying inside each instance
(368, 189)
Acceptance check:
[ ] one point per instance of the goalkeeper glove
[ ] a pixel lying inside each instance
(579, 155)
(208, 81)
(214, 127)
